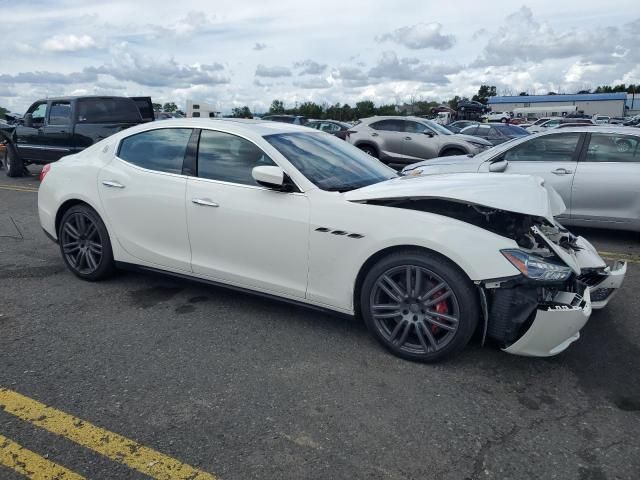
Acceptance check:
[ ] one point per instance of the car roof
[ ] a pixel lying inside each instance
(589, 128)
(239, 125)
(392, 117)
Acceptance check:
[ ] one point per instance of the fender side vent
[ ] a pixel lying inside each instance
(323, 229)
(339, 232)
(355, 235)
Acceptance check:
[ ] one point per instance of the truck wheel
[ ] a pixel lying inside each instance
(13, 164)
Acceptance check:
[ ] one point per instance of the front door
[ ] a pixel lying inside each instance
(419, 145)
(552, 157)
(30, 139)
(143, 194)
(606, 187)
(242, 233)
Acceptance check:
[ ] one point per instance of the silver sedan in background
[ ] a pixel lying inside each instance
(596, 170)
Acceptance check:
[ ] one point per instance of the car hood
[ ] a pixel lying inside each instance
(463, 163)
(471, 138)
(512, 193)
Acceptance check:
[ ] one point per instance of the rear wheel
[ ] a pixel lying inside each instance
(14, 165)
(369, 150)
(419, 306)
(85, 244)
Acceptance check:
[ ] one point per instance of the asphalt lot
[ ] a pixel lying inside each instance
(244, 387)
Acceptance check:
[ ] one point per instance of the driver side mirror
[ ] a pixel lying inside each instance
(499, 166)
(28, 120)
(272, 177)
(428, 133)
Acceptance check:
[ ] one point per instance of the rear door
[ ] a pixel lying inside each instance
(389, 135)
(143, 194)
(553, 157)
(606, 188)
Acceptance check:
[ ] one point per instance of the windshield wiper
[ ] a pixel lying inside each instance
(343, 188)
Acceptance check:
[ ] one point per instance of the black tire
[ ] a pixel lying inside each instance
(14, 165)
(450, 152)
(432, 345)
(80, 250)
(504, 120)
(369, 150)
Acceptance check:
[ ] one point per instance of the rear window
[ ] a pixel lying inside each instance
(108, 110)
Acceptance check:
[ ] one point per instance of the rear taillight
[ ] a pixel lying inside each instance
(44, 171)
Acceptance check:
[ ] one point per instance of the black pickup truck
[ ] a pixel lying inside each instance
(56, 127)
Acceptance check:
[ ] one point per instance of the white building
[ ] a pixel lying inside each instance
(609, 104)
(196, 109)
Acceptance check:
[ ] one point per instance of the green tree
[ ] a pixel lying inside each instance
(170, 107)
(277, 106)
(157, 107)
(310, 110)
(3, 112)
(453, 103)
(365, 109)
(243, 112)
(484, 92)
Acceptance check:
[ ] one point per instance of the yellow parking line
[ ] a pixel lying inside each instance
(18, 188)
(114, 446)
(30, 464)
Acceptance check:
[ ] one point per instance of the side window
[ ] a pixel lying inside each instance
(60, 113)
(161, 150)
(195, 114)
(108, 110)
(548, 148)
(413, 127)
(494, 134)
(388, 125)
(229, 158)
(212, 114)
(470, 130)
(38, 112)
(483, 130)
(613, 148)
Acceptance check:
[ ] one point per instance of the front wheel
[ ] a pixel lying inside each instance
(85, 244)
(13, 164)
(419, 306)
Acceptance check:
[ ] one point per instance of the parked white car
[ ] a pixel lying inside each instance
(544, 124)
(496, 117)
(285, 211)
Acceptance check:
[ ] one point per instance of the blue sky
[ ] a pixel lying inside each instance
(234, 53)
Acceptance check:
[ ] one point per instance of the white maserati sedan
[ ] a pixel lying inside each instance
(290, 212)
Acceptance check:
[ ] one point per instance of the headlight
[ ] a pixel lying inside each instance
(537, 268)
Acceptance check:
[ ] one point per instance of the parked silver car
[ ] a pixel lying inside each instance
(596, 170)
(399, 141)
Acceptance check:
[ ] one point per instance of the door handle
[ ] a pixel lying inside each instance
(407, 138)
(112, 184)
(204, 202)
(374, 134)
(561, 171)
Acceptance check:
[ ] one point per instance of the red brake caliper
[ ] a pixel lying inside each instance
(441, 307)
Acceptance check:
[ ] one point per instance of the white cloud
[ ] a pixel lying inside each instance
(68, 43)
(272, 72)
(391, 67)
(309, 67)
(259, 46)
(420, 35)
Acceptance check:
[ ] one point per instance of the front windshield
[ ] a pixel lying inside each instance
(437, 127)
(328, 162)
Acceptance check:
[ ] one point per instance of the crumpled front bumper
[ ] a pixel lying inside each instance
(555, 326)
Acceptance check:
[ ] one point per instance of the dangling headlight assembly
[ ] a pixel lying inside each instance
(537, 268)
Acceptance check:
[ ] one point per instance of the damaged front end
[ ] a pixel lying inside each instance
(562, 278)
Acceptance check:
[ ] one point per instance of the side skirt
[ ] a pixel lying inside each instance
(139, 268)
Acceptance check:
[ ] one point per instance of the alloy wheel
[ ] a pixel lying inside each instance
(414, 309)
(81, 243)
